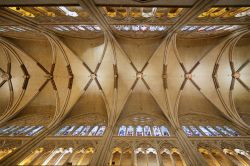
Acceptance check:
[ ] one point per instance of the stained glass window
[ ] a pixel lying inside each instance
(5, 129)
(139, 131)
(69, 130)
(211, 129)
(147, 131)
(78, 130)
(60, 132)
(19, 131)
(27, 130)
(205, 131)
(8, 132)
(187, 131)
(130, 131)
(93, 131)
(122, 131)
(101, 131)
(164, 131)
(34, 131)
(225, 132)
(85, 131)
(195, 131)
(235, 133)
(157, 131)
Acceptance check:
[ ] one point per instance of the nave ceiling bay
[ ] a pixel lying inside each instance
(137, 74)
(153, 66)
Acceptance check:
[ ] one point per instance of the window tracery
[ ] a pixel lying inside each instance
(195, 131)
(147, 131)
(143, 130)
(81, 130)
(210, 131)
(187, 131)
(209, 28)
(20, 130)
(139, 131)
(216, 133)
(206, 131)
(157, 131)
(130, 131)
(122, 131)
(223, 131)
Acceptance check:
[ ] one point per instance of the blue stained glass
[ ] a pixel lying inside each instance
(195, 131)
(34, 131)
(235, 133)
(78, 131)
(211, 129)
(187, 131)
(204, 130)
(28, 129)
(122, 131)
(165, 131)
(85, 131)
(69, 130)
(62, 130)
(19, 131)
(93, 131)
(5, 129)
(223, 131)
(147, 131)
(101, 131)
(130, 131)
(139, 131)
(157, 131)
(8, 132)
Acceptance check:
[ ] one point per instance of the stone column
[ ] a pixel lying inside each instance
(102, 150)
(213, 158)
(171, 157)
(134, 155)
(192, 156)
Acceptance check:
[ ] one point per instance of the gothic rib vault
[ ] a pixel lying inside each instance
(113, 79)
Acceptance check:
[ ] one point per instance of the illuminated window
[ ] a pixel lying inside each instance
(235, 133)
(211, 129)
(205, 131)
(147, 131)
(164, 131)
(139, 131)
(69, 130)
(195, 131)
(122, 131)
(157, 131)
(78, 130)
(130, 131)
(60, 132)
(101, 131)
(187, 131)
(27, 130)
(19, 131)
(35, 131)
(8, 132)
(93, 131)
(85, 131)
(225, 132)
(5, 129)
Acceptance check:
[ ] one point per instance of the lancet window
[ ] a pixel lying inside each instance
(143, 131)
(81, 130)
(209, 131)
(20, 130)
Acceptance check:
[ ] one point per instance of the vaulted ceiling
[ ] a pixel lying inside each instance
(151, 62)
